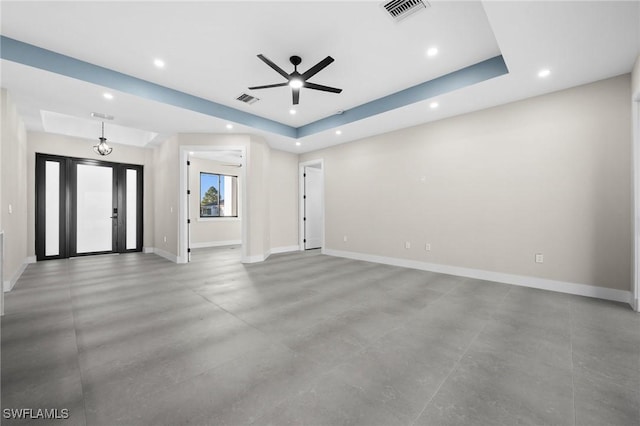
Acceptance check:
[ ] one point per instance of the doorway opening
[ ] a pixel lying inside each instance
(213, 208)
(311, 205)
(87, 207)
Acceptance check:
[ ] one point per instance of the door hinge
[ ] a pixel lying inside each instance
(304, 218)
(188, 163)
(304, 197)
(304, 241)
(188, 192)
(189, 250)
(304, 175)
(188, 221)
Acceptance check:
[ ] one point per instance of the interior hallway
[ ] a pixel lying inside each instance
(305, 338)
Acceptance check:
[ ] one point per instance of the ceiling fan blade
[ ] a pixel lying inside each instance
(317, 67)
(268, 86)
(274, 66)
(296, 96)
(321, 87)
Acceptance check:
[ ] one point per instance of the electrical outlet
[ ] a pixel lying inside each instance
(344, 238)
(165, 238)
(407, 245)
(427, 247)
(10, 209)
(539, 258)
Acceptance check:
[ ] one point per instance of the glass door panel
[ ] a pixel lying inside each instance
(94, 209)
(52, 208)
(132, 211)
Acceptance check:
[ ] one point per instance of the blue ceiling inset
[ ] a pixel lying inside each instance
(464, 77)
(27, 54)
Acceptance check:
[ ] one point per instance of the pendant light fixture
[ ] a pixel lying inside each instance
(102, 148)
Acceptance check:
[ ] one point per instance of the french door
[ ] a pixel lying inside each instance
(86, 207)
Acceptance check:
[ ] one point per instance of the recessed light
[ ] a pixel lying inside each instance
(292, 111)
(432, 51)
(544, 73)
(107, 95)
(338, 132)
(229, 126)
(433, 105)
(297, 143)
(158, 63)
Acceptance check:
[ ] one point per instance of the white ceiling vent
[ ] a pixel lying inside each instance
(247, 99)
(400, 9)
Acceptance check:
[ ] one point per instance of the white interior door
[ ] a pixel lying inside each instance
(313, 208)
(94, 223)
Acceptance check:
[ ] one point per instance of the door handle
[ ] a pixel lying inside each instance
(114, 217)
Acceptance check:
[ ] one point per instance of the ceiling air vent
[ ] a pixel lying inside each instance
(247, 99)
(400, 9)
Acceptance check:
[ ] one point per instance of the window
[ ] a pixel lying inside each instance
(218, 195)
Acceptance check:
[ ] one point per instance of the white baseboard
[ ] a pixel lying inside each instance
(216, 244)
(520, 280)
(255, 259)
(148, 250)
(7, 285)
(265, 256)
(169, 256)
(284, 249)
(32, 259)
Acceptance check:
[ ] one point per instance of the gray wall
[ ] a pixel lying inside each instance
(490, 189)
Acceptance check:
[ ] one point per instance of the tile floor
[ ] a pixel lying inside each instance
(308, 339)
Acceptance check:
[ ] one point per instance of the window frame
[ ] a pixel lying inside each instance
(235, 197)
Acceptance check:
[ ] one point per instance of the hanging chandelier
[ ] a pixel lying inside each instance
(102, 148)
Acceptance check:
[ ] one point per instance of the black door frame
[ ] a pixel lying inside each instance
(68, 205)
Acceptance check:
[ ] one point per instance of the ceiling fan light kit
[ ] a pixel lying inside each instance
(295, 80)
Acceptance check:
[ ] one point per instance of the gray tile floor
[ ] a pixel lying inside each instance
(307, 339)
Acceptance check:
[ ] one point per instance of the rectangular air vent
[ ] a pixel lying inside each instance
(400, 9)
(101, 116)
(247, 99)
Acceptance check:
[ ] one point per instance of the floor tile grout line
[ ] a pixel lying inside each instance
(456, 366)
(232, 314)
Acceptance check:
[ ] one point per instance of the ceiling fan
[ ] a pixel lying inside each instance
(297, 80)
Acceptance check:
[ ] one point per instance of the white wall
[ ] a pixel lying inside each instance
(490, 189)
(13, 191)
(166, 205)
(48, 143)
(283, 201)
(209, 232)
